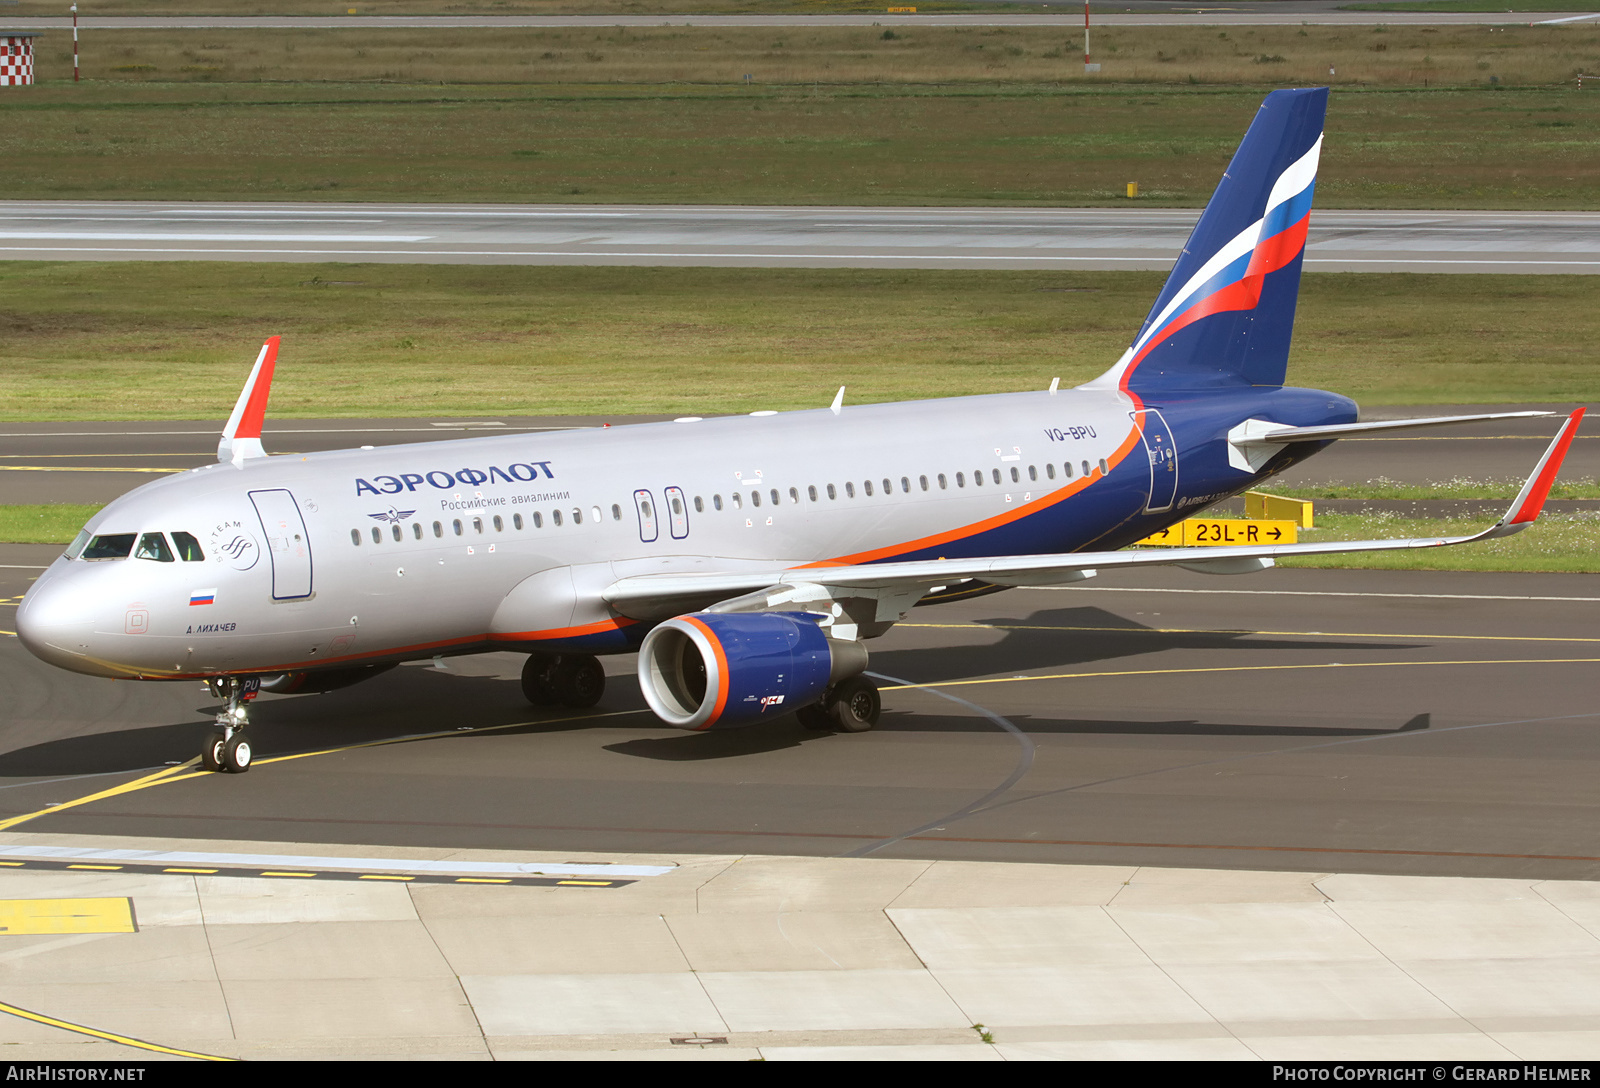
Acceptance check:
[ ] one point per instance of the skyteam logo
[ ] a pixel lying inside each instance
(234, 545)
(521, 472)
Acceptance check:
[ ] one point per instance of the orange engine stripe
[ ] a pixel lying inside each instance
(722, 671)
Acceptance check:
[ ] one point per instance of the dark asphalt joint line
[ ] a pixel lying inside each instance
(318, 874)
(1024, 765)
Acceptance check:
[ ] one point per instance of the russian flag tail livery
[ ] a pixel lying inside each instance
(241, 438)
(1226, 314)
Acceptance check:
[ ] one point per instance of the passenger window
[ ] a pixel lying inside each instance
(905, 484)
(377, 535)
(811, 492)
(943, 486)
(477, 525)
(516, 522)
(977, 478)
(755, 498)
(538, 520)
(499, 526)
(438, 530)
(577, 516)
(961, 479)
(1086, 468)
(699, 505)
(997, 474)
(773, 495)
(1104, 471)
(188, 548)
(716, 502)
(888, 486)
(738, 503)
(355, 537)
(1033, 473)
(416, 530)
(395, 532)
(110, 546)
(794, 495)
(616, 511)
(849, 490)
(867, 485)
(1016, 477)
(1050, 471)
(1066, 467)
(923, 480)
(456, 525)
(555, 517)
(832, 492)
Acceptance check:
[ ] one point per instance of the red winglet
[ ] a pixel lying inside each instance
(259, 389)
(241, 438)
(1530, 502)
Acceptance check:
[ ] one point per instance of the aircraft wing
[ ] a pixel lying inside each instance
(897, 586)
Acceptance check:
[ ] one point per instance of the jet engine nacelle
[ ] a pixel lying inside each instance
(710, 670)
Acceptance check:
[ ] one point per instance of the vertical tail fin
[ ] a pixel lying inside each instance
(1226, 314)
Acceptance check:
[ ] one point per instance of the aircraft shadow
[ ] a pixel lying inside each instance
(1098, 636)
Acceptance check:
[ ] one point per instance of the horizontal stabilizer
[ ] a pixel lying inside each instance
(241, 438)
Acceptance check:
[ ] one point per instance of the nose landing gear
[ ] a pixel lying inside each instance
(227, 749)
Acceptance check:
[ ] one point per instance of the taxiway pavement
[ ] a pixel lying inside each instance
(1083, 238)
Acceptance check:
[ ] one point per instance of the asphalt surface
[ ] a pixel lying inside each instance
(1296, 14)
(96, 462)
(1085, 238)
(1428, 723)
(1419, 723)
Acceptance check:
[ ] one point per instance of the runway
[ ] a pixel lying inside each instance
(1303, 14)
(1084, 238)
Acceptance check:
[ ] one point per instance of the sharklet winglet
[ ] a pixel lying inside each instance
(241, 438)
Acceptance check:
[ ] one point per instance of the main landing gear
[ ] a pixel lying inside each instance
(226, 749)
(570, 680)
(850, 706)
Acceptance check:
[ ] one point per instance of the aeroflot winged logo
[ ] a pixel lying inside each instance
(521, 472)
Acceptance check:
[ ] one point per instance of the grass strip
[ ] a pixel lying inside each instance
(1558, 542)
(1467, 117)
(174, 340)
(54, 523)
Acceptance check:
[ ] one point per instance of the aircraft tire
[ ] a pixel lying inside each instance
(536, 679)
(211, 754)
(854, 705)
(236, 755)
(578, 680)
(815, 718)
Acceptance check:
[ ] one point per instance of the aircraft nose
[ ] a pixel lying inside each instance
(56, 623)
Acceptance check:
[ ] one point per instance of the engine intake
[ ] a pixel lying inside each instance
(712, 670)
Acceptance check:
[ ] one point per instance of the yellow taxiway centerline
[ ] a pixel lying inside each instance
(1241, 631)
(110, 1036)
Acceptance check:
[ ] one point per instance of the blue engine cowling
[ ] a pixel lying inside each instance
(711, 670)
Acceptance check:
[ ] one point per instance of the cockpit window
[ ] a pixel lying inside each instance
(153, 546)
(188, 548)
(75, 549)
(109, 546)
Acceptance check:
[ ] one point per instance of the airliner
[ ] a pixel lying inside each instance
(746, 560)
